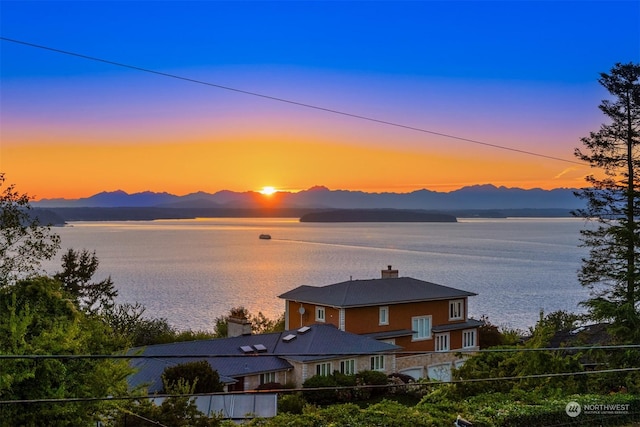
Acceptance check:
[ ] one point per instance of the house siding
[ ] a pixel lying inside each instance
(296, 320)
(365, 320)
(303, 371)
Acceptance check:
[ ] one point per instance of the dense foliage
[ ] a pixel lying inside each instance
(39, 319)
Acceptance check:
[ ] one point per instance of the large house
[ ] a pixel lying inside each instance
(416, 315)
(247, 361)
(391, 324)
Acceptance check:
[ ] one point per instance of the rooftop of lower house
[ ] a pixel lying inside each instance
(252, 354)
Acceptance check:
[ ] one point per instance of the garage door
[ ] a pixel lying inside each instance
(440, 372)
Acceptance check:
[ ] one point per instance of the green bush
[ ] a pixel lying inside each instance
(199, 374)
(291, 403)
(320, 397)
(373, 378)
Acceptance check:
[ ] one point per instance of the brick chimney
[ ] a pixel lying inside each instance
(389, 273)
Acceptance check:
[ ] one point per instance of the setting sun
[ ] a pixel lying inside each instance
(267, 191)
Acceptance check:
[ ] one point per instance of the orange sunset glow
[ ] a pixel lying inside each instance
(50, 172)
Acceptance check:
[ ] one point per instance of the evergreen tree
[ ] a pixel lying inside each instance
(78, 269)
(611, 270)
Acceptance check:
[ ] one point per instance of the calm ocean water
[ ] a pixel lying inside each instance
(191, 271)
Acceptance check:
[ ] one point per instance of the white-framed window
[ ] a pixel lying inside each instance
(469, 338)
(320, 314)
(442, 341)
(383, 316)
(421, 326)
(348, 367)
(456, 309)
(377, 363)
(267, 377)
(324, 369)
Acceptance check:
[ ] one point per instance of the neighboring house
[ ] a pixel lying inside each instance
(419, 316)
(245, 362)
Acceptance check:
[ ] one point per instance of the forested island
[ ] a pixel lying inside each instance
(377, 215)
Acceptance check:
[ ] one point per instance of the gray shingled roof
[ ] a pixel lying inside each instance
(359, 293)
(320, 342)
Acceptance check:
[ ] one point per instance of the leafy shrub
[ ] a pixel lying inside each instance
(199, 374)
(320, 397)
(291, 403)
(373, 378)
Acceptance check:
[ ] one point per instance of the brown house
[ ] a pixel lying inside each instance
(416, 315)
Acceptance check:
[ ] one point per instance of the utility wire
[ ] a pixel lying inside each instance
(291, 390)
(403, 352)
(289, 101)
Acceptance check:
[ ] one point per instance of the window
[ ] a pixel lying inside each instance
(383, 316)
(348, 367)
(421, 328)
(323, 369)
(267, 377)
(469, 338)
(320, 314)
(377, 363)
(442, 342)
(456, 309)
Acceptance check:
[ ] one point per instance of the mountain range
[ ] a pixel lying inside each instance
(477, 197)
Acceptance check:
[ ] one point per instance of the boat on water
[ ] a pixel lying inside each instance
(265, 236)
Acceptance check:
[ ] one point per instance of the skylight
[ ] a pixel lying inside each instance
(246, 349)
(288, 338)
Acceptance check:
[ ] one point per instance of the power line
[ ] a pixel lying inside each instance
(334, 354)
(303, 389)
(289, 101)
